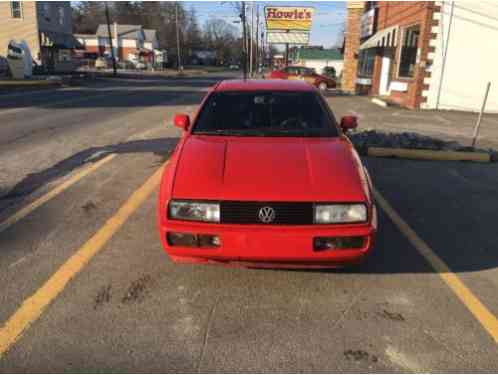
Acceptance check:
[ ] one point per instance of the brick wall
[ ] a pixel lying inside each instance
(405, 14)
(352, 44)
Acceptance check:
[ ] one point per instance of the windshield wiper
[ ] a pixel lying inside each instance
(231, 132)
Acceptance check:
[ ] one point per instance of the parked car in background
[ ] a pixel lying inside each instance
(234, 67)
(329, 71)
(140, 65)
(103, 63)
(264, 176)
(306, 74)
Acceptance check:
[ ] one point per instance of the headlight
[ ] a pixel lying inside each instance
(194, 211)
(340, 213)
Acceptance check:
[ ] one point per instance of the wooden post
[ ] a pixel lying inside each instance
(114, 69)
(478, 124)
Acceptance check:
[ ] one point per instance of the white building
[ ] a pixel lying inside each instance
(464, 57)
(319, 58)
(129, 42)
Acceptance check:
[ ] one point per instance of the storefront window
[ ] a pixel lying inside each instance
(409, 48)
(366, 62)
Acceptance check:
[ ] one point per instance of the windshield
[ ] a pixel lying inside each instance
(291, 114)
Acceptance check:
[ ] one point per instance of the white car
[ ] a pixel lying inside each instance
(140, 65)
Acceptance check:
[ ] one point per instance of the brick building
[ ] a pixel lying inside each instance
(392, 40)
(352, 45)
(423, 54)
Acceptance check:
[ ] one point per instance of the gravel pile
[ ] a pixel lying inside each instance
(373, 138)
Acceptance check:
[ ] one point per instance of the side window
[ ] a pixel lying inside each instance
(15, 9)
(409, 51)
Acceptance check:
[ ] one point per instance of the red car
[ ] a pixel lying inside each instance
(264, 177)
(304, 74)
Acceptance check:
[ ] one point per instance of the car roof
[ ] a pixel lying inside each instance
(263, 85)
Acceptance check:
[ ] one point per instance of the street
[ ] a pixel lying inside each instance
(85, 285)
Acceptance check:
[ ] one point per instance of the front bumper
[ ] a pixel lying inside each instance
(266, 246)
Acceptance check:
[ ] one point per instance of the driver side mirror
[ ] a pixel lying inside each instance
(182, 121)
(349, 122)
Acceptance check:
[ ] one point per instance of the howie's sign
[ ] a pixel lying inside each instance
(288, 18)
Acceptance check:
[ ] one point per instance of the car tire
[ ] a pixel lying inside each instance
(322, 86)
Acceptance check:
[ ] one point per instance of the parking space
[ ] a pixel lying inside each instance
(130, 308)
(444, 125)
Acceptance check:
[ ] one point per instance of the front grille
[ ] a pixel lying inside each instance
(286, 213)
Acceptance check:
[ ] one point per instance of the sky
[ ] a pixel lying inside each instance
(328, 19)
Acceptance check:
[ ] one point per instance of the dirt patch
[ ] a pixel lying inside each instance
(392, 316)
(89, 206)
(138, 290)
(103, 296)
(360, 356)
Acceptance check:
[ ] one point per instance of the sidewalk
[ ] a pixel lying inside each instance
(444, 125)
(145, 74)
(10, 85)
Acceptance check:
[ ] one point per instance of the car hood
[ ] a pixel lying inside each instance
(268, 169)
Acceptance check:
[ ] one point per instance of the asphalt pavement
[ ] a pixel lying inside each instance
(86, 287)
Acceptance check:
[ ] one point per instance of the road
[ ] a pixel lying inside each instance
(86, 287)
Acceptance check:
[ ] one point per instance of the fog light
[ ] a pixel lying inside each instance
(208, 240)
(192, 240)
(336, 243)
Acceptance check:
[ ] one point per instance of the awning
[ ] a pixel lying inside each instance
(384, 38)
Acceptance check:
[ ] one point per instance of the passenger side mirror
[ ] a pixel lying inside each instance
(182, 121)
(349, 122)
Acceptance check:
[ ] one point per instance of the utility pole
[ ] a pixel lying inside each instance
(178, 52)
(257, 39)
(263, 55)
(244, 38)
(114, 69)
(252, 41)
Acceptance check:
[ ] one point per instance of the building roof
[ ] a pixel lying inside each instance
(318, 54)
(264, 85)
(124, 31)
(150, 35)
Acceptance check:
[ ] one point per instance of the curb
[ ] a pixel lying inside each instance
(482, 157)
(380, 102)
(7, 89)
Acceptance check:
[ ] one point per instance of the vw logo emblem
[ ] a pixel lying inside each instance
(266, 215)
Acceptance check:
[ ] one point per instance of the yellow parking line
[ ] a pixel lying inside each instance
(53, 193)
(480, 312)
(32, 308)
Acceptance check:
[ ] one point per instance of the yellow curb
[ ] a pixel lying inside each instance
(482, 157)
